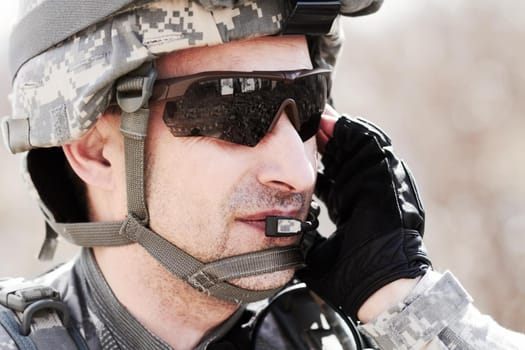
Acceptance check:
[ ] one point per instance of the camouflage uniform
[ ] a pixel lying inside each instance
(438, 314)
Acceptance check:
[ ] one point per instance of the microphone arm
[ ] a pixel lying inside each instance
(286, 226)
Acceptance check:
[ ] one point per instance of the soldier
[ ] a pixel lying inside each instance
(176, 141)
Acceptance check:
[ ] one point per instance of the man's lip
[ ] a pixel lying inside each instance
(261, 216)
(258, 222)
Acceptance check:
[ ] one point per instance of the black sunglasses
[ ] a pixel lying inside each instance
(242, 107)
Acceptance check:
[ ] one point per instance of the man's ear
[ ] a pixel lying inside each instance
(87, 158)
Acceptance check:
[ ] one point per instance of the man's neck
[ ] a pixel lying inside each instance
(164, 304)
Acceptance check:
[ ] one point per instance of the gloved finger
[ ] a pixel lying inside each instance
(323, 255)
(326, 127)
(322, 186)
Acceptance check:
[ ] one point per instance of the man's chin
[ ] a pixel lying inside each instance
(265, 281)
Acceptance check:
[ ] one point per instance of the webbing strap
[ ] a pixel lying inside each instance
(211, 278)
(92, 234)
(134, 127)
(133, 93)
(259, 262)
(48, 333)
(55, 21)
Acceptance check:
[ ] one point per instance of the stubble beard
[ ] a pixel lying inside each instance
(247, 197)
(250, 197)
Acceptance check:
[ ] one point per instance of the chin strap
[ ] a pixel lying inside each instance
(133, 93)
(211, 278)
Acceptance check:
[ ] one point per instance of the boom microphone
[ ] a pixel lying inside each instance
(286, 226)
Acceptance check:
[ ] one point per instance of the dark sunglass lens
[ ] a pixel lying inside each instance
(242, 110)
(232, 109)
(310, 98)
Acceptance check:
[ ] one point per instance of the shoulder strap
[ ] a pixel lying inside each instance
(8, 321)
(37, 319)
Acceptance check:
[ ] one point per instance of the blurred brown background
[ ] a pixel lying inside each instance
(446, 80)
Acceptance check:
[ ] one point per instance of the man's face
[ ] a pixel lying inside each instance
(210, 197)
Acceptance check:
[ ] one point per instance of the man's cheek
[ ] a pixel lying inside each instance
(310, 147)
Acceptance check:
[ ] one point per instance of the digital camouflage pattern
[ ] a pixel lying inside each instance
(64, 90)
(6, 342)
(438, 314)
(60, 93)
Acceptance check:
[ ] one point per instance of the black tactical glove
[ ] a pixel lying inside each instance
(374, 203)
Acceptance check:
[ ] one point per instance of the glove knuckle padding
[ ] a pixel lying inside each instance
(372, 198)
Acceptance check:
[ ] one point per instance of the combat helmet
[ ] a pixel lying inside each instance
(69, 59)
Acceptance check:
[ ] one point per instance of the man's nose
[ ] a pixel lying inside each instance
(289, 164)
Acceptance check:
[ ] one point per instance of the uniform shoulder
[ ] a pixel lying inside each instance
(6, 342)
(19, 294)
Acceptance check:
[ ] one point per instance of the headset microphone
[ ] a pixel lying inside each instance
(286, 226)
